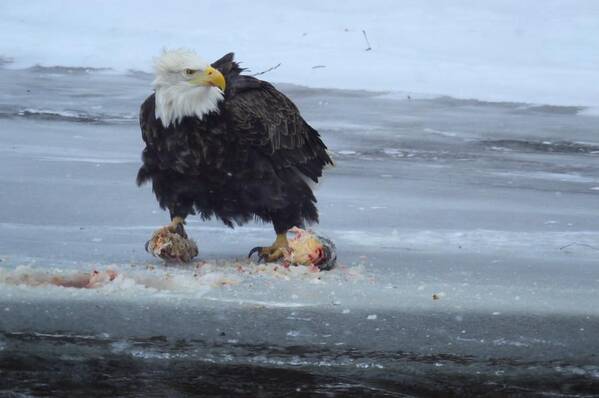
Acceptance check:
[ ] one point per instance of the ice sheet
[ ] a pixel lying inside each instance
(466, 233)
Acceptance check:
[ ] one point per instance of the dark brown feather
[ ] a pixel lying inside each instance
(247, 160)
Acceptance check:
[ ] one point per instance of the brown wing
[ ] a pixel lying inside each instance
(263, 117)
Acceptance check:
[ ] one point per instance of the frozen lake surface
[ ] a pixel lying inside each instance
(467, 234)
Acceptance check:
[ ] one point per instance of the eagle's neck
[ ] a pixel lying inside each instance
(175, 102)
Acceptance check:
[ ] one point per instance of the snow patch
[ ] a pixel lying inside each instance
(193, 281)
(478, 240)
(543, 175)
(469, 50)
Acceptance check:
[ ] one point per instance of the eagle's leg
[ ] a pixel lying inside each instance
(176, 226)
(273, 252)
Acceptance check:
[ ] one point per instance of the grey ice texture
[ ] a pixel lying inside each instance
(490, 205)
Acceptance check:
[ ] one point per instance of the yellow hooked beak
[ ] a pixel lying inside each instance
(210, 77)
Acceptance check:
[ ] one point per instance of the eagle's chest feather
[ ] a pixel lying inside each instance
(203, 147)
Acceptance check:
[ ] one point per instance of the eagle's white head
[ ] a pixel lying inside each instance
(185, 85)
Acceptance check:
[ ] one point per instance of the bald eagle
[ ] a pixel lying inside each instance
(227, 145)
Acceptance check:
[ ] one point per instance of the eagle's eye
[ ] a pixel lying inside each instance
(189, 72)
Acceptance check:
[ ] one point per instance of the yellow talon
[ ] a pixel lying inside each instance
(273, 252)
(176, 226)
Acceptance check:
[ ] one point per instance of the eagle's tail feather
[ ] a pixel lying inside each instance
(143, 175)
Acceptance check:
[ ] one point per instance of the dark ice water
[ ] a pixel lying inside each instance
(52, 365)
